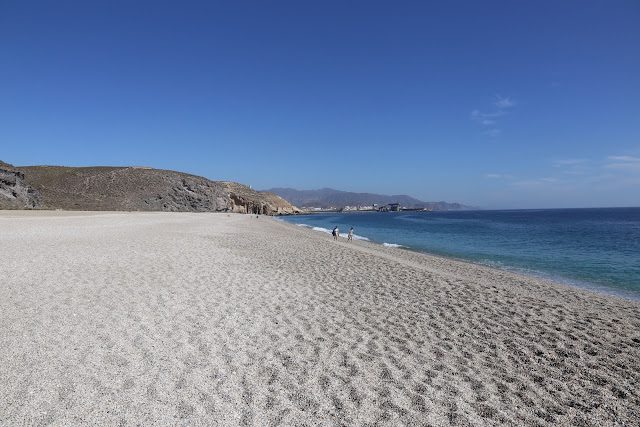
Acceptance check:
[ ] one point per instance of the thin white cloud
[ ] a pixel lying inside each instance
(492, 132)
(490, 119)
(624, 165)
(478, 116)
(569, 162)
(624, 158)
(576, 166)
(503, 103)
(623, 162)
(498, 176)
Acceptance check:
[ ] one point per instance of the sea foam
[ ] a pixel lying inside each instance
(393, 245)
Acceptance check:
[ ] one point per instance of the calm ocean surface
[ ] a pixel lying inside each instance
(596, 249)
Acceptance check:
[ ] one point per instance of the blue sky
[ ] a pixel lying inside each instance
(497, 104)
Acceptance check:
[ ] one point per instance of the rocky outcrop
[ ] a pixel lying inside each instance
(248, 200)
(144, 189)
(14, 192)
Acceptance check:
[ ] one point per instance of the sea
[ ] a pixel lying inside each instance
(595, 249)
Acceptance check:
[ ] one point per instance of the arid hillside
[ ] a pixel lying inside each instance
(129, 189)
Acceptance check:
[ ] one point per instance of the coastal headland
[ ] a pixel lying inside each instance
(158, 318)
(138, 188)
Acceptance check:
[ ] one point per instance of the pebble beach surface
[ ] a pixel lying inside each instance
(229, 319)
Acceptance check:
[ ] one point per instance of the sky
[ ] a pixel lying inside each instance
(494, 104)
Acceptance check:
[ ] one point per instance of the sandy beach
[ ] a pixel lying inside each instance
(217, 319)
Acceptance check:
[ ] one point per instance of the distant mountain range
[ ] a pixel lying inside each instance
(329, 198)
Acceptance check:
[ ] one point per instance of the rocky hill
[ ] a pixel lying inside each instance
(15, 193)
(129, 189)
(328, 197)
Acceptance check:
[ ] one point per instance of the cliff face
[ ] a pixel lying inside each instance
(144, 189)
(14, 192)
(245, 199)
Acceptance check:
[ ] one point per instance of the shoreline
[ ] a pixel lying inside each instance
(179, 318)
(591, 286)
(471, 264)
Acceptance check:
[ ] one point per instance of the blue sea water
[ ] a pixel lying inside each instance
(596, 249)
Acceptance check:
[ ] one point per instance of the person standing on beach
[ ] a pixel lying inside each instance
(335, 233)
(350, 236)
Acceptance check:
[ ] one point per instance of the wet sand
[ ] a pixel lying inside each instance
(216, 319)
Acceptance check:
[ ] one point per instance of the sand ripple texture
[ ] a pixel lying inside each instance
(216, 319)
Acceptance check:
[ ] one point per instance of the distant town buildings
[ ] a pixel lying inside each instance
(315, 209)
(391, 207)
(373, 207)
